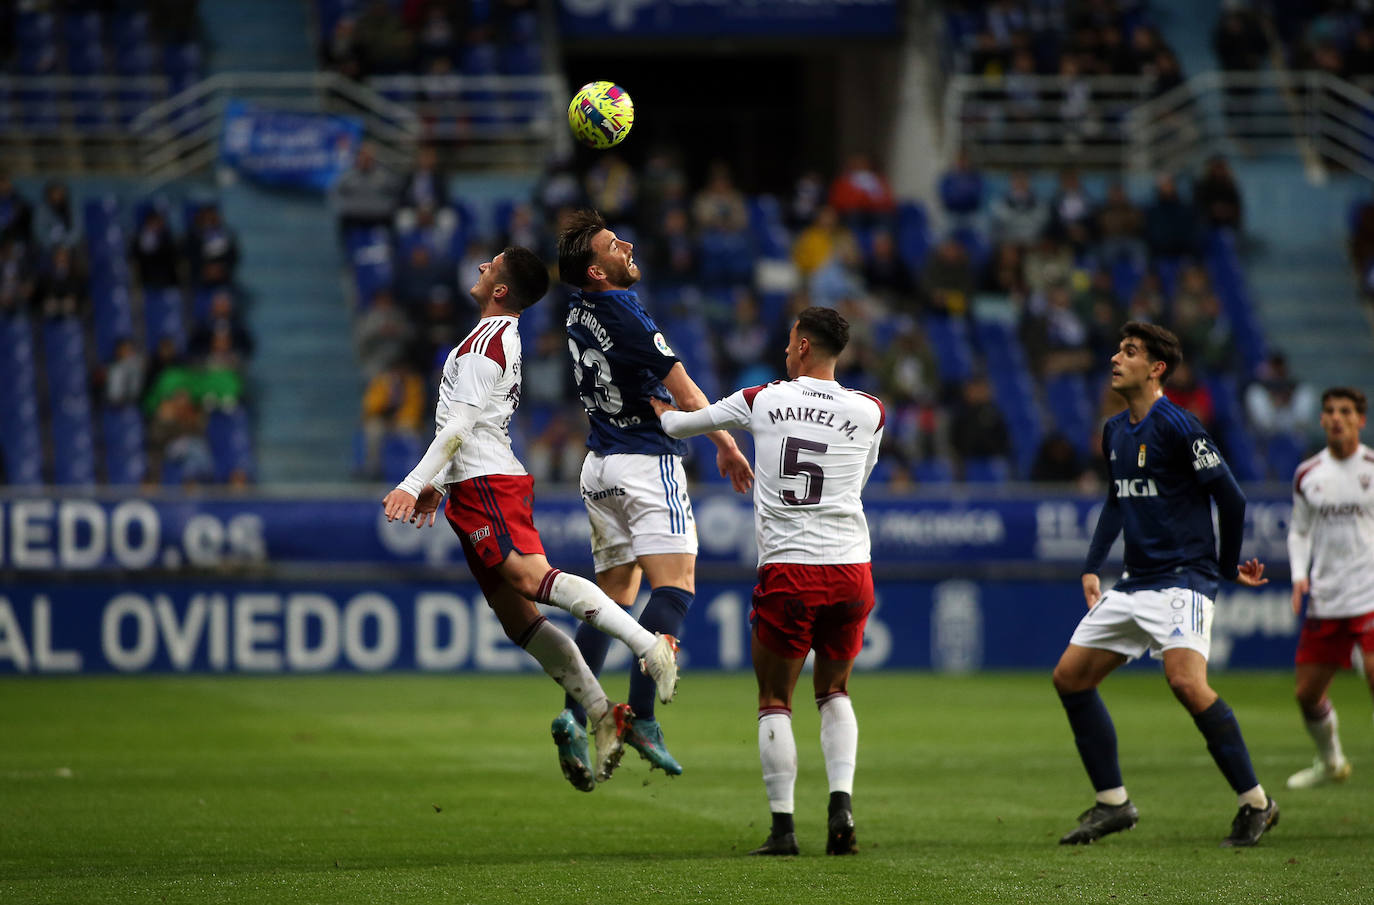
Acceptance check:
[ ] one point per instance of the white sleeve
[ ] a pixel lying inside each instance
(873, 455)
(476, 376)
(1299, 537)
(730, 412)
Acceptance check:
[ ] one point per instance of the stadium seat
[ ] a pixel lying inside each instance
(163, 314)
(231, 443)
(933, 471)
(122, 428)
(1070, 405)
(949, 339)
(1284, 452)
(400, 452)
(913, 234)
(994, 470)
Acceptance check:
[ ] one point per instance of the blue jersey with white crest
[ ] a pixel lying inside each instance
(619, 361)
(1160, 470)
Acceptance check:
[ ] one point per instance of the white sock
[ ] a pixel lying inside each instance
(561, 659)
(1255, 798)
(1114, 797)
(839, 741)
(1325, 732)
(587, 602)
(778, 755)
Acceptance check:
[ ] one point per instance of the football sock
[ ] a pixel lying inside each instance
(560, 658)
(839, 801)
(1114, 797)
(1325, 732)
(782, 824)
(594, 645)
(778, 755)
(664, 613)
(1218, 725)
(587, 602)
(1095, 736)
(839, 740)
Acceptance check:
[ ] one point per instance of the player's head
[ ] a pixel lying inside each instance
(1343, 417)
(590, 256)
(515, 279)
(816, 339)
(1147, 353)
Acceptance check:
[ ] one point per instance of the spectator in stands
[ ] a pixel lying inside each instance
(394, 402)
(341, 52)
(672, 251)
(221, 319)
(16, 214)
(212, 249)
(1147, 302)
(1119, 226)
(178, 451)
(820, 241)
(427, 184)
(124, 375)
(719, 206)
(1072, 211)
(436, 34)
(154, 252)
(977, 429)
(887, 275)
(556, 454)
(1006, 271)
(440, 326)
(908, 369)
(1205, 334)
(1216, 196)
(171, 21)
(1103, 318)
(948, 279)
(546, 371)
(808, 197)
(166, 357)
(420, 276)
(1018, 217)
(1170, 223)
(383, 335)
(1047, 261)
(54, 223)
(838, 279)
(1187, 392)
(16, 276)
(1055, 336)
(61, 290)
(1359, 58)
(1114, 57)
(744, 345)
(526, 230)
(1361, 245)
(961, 189)
(384, 43)
(860, 194)
(1277, 403)
(1078, 118)
(365, 195)
(662, 187)
(612, 188)
(1057, 462)
(1168, 75)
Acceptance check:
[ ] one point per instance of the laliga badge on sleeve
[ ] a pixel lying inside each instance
(661, 345)
(1140, 459)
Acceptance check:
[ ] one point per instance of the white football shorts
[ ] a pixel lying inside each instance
(638, 506)
(1132, 622)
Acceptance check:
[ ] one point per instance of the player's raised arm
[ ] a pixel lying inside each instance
(729, 459)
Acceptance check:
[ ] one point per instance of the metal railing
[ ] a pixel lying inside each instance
(1119, 122)
(180, 136)
(70, 121)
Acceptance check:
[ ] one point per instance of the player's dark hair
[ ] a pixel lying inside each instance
(825, 328)
(525, 276)
(1354, 395)
(575, 253)
(1160, 344)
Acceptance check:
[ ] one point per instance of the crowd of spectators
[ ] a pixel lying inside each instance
(187, 365)
(725, 270)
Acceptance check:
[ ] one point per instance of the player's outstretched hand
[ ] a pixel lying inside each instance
(1251, 574)
(399, 504)
(426, 505)
(735, 466)
(660, 406)
(1092, 589)
(1300, 588)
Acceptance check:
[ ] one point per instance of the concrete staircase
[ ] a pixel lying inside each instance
(306, 382)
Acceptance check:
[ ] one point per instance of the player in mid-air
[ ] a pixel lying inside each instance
(1331, 554)
(632, 480)
(490, 496)
(1165, 472)
(815, 444)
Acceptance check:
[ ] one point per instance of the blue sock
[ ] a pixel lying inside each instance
(1095, 736)
(1218, 725)
(665, 612)
(594, 643)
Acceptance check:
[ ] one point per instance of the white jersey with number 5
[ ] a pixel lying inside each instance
(1331, 533)
(815, 444)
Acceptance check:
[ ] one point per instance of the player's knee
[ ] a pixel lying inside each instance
(1067, 680)
(1192, 692)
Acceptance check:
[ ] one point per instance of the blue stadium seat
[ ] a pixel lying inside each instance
(1285, 452)
(125, 461)
(1071, 407)
(933, 471)
(231, 443)
(765, 222)
(164, 316)
(520, 59)
(72, 439)
(949, 339)
(21, 446)
(400, 452)
(994, 470)
(913, 234)
(129, 26)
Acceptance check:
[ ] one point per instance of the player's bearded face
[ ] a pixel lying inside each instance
(617, 260)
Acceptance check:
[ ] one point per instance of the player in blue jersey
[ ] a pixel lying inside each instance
(1165, 473)
(632, 481)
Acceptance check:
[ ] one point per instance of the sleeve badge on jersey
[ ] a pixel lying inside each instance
(661, 345)
(1203, 456)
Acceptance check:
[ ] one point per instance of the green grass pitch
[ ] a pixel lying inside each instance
(430, 789)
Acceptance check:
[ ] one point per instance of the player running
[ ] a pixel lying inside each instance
(1331, 553)
(1165, 471)
(489, 507)
(632, 481)
(815, 444)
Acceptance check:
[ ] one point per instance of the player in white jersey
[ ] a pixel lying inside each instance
(815, 444)
(490, 508)
(1331, 554)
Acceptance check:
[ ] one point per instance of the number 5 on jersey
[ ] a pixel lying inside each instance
(794, 467)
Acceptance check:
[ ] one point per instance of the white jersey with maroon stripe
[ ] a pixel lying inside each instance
(488, 357)
(1331, 533)
(815, 444)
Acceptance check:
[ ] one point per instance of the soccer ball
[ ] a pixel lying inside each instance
(601, 115)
